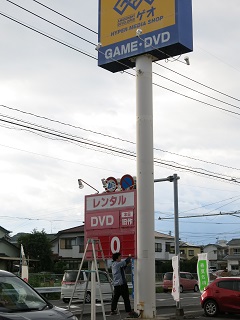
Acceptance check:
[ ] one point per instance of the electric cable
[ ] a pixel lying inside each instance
(87, 54)
(115, 138)
(62, 15)
(48, 36)
(52, 23)
(118, 150)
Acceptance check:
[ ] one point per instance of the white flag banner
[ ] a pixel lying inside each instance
(175, 279)
(24, 265)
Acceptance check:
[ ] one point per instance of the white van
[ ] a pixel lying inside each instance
(68, 283)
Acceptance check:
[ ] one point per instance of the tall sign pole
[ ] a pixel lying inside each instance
(145, 275)
(163, 29)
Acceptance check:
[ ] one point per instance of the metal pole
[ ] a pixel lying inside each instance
(145, 266)
(179, 310)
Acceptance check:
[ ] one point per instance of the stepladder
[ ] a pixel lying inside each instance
(97, 283)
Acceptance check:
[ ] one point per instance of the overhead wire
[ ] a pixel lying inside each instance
(193, 80)
(87, 54)
(155, 48)
(52, 23)
(112, 137)
(122, 152)
(62, 15)
(48, 36)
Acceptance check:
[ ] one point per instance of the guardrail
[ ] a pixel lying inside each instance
(58, 289)
(48, 289)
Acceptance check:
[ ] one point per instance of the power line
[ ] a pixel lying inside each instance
(62, 15)
(112, 149)
(197, 91)
(48, 36)
(87, 54)
(126, 65)
(204, 215)
(200, 83)
(116, 138)
(52, 23)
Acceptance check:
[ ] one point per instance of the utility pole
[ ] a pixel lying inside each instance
(174, 179)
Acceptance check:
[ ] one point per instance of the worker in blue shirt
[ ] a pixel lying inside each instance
(120, 285)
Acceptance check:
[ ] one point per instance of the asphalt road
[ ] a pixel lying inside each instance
(165, 305)
(164, 302)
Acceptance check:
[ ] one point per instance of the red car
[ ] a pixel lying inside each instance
(220, 296)
(187, 282)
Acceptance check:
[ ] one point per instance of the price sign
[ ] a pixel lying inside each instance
(111, 218)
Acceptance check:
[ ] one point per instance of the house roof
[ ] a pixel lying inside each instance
(5, 230)
(234, 242)
(8, 243)
(215, 245)
(72, 230)
(186, 244)
(163, 235)
(232, 257)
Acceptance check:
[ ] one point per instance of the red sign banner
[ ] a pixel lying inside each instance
(111, 218)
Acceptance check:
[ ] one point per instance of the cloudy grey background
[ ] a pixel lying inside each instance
(39, 173)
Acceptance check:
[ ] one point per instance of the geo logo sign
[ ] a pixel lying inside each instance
(164, 23)
(122, 5)
(111, 218)
(120, 19)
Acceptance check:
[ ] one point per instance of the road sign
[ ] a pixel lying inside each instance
(127, 182)
(111, 184)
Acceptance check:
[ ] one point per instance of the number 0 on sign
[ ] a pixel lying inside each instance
(115, 245)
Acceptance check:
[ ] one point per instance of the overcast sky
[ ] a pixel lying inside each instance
(45, 83)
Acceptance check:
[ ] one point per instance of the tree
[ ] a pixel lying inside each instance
(37, 246)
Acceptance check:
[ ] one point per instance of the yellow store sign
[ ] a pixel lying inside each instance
(119, 19)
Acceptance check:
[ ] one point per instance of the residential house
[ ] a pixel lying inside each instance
(233, 257)
(164, 249)
(9, 252)
(68, 246)
(188, 250)
(216, 254)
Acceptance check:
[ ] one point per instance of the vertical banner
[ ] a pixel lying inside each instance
(202, 271)
(24, 266)
(175, 280)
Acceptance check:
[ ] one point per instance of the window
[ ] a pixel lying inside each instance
(226, 285)
(234, 267)
(67, 243)
(168, 247)
(81, 248)
(236, 251)
(103, 278)
(172, 249)
(191, 252)
(158, 247)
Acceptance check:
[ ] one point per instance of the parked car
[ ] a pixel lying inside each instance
(212, 269)
(187, 282)
(18, 300)
(83, 287)
(221, 295)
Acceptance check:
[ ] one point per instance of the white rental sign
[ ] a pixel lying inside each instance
(175, 279)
